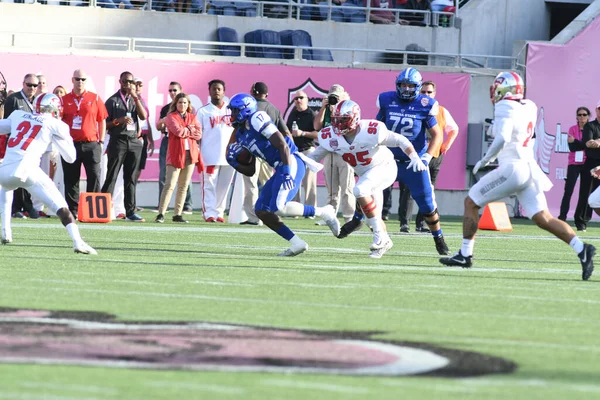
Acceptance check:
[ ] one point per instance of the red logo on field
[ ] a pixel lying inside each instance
(96, 339)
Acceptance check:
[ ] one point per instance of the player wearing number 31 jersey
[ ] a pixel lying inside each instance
(30, 136)
(362, 144)
(517, 173)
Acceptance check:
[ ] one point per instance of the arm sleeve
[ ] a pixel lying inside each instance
(262, 123)
(319, 153)
(5, 126)
(495, 148)
(64, 142)
(392, 139)
(451, 124)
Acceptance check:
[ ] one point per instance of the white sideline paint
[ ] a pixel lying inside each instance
(412, 289)
(150, 226)
(300, 303)
(534, 383)
(104, 390)
(325, 387)
(197, 386)
(45, 396)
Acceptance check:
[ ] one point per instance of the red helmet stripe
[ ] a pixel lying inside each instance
(38, 103)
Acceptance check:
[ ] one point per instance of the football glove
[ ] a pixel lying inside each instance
(233, 151)
(287, 182)
(416, 163)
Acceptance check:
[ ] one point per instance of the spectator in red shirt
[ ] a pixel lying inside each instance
(85, 113)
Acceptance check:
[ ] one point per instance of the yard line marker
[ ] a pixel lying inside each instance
(70, 387)
(198, 386)
(45, 396)
(582, 387)
(299, 303)
(327, 387)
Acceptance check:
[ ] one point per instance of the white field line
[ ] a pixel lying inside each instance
(256, 230)
(108, 391)
(42, 396)
(222, 389)
(282, 302)
(325, 387)
(496, 342)
(544, 299)
(437, 386)
(531, 383)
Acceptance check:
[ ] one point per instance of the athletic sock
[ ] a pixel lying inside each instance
(576, 244)
(73, 230)
(467, 247)
(309, 211)
(285, 232)
(437, 233)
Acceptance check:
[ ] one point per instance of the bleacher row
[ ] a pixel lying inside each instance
(296, 38)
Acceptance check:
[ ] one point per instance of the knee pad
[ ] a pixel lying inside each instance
(434, 213)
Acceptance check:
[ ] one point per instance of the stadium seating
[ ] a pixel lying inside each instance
(263, 36)
(296, 38)
(228, 35)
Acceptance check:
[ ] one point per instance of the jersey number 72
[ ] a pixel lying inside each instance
(23, 130)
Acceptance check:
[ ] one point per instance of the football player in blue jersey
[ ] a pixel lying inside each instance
(410, 113)
(257, 134)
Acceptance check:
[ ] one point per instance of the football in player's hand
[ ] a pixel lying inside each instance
(245, 157)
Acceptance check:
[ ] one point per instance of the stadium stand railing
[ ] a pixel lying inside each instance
(293, 9)
(139, 46)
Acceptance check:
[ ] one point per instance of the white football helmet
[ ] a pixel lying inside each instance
(345, 117)
(48, 103)
(507, 86)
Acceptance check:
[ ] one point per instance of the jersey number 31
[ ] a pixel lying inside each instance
(23, 130)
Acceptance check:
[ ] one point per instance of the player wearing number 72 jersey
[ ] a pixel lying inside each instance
(30, 136)
(362, 144)
(517, 173)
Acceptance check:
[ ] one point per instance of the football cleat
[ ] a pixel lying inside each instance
(84, 248)
(404, 229)
(330, 218)
(378, 253)
(458, 260)
(294, 250)
(353, 225)
(587, 261)
(441, 246)
(6, 240)
(6, 236)
(380, 240)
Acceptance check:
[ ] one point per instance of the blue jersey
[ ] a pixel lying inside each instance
(409, 118)
(256, 139)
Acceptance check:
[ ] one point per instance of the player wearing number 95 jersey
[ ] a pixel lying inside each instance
(517, 173)
(30, 136)
(410, 113)
(362, 144)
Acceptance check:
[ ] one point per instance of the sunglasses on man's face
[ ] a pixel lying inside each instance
(80, 79)
(32, 85)
(139, 84)
(582, 115)
(298, 98)
(128, 81)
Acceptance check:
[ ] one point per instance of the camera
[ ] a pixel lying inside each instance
(332, 99)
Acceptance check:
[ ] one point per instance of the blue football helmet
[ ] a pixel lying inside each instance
(242, 106)
(412, 77)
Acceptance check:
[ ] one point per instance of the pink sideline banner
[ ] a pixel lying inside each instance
(283, 81)
(559, 79)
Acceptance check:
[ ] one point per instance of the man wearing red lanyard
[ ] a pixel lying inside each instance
(85, 114)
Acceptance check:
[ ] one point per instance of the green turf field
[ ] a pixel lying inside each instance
(523, 302)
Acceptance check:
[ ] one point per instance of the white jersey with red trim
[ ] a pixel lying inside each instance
(216, 132)
(30, 136)
(515, 121)
(368, 148)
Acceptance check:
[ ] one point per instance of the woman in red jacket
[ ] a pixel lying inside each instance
(183, 153)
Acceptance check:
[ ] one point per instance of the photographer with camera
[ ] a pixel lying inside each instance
(339, 176)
